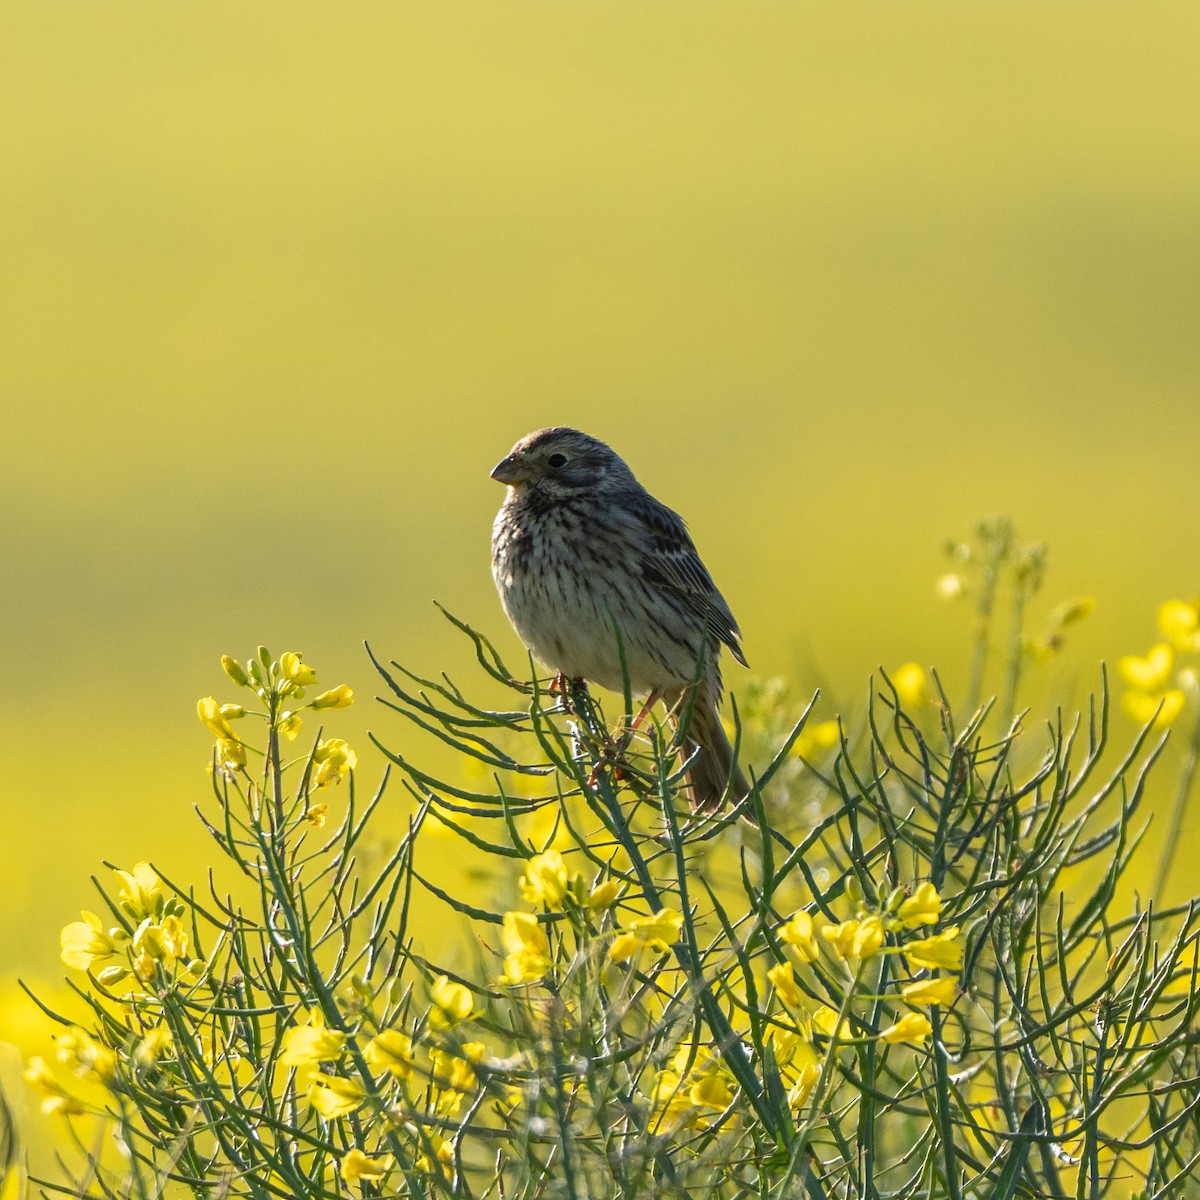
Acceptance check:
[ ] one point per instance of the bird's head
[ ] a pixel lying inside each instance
(559, 462)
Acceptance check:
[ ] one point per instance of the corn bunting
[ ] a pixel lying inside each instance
(579, 550)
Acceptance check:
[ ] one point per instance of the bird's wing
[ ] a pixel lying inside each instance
(668, 559)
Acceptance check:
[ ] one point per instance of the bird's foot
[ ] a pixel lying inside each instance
(569, 692)
(564, 685)
(615, 748)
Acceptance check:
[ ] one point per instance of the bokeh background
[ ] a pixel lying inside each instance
(279, 283)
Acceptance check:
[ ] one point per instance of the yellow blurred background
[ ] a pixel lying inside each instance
(279, 283)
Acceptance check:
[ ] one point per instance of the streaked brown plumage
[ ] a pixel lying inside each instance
(579, 544)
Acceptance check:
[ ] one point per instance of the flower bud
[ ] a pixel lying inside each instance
(233, 669)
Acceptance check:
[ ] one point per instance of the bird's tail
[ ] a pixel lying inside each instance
(713, 776)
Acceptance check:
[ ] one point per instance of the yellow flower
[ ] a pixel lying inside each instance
(209, 712)
(452, 1000)
(869, 937)
(923, 907)
(357, 1166)
(315, 815)
(931, 991)
(814, 739)
(54, 1097)
(912, 1027)
(310, 1043)
(1179, 623)
(809, 1074)
(294, 670)
(1150, 674)
(442, 1148)
(155, 943)
(175, 937)
(691, 1090)
(335, 1096)
(333, 759)
(338, 697)
(671, 1103)
(909, 682)
(692, 1057)
(798, 933)
(453, 1072)
(289, 726)
(941, 950)
(690, 1101)
(656, 934)
(784, 978)
(545, 879)
(141, 889)
(605, 895)
(791, 1046)
(825, 1020)
(391, 1051)
(84, 942)
(710, 1091)
(855, 939)
(528, 949)
(155, 1045)
(79, 1051)
(231, 754)
(1144, 707)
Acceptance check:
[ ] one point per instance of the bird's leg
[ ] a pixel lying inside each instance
(651, 700)
(618, 749)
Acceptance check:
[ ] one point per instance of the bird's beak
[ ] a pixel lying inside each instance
(510, 470)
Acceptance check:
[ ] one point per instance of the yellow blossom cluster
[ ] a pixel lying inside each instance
(315, 1051)
(645, 936)
(546, 881)
(1157, 687)
(692, 1091)
(159, 937)
(276, 683)
(88, 1057)
(856, 940)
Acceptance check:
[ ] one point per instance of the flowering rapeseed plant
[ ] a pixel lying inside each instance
(904, 966)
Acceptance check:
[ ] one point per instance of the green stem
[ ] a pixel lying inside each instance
(983, 625)
(1016, 652)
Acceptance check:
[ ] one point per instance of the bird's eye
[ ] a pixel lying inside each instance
(557, 460)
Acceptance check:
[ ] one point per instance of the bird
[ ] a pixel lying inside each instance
(581, 552)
